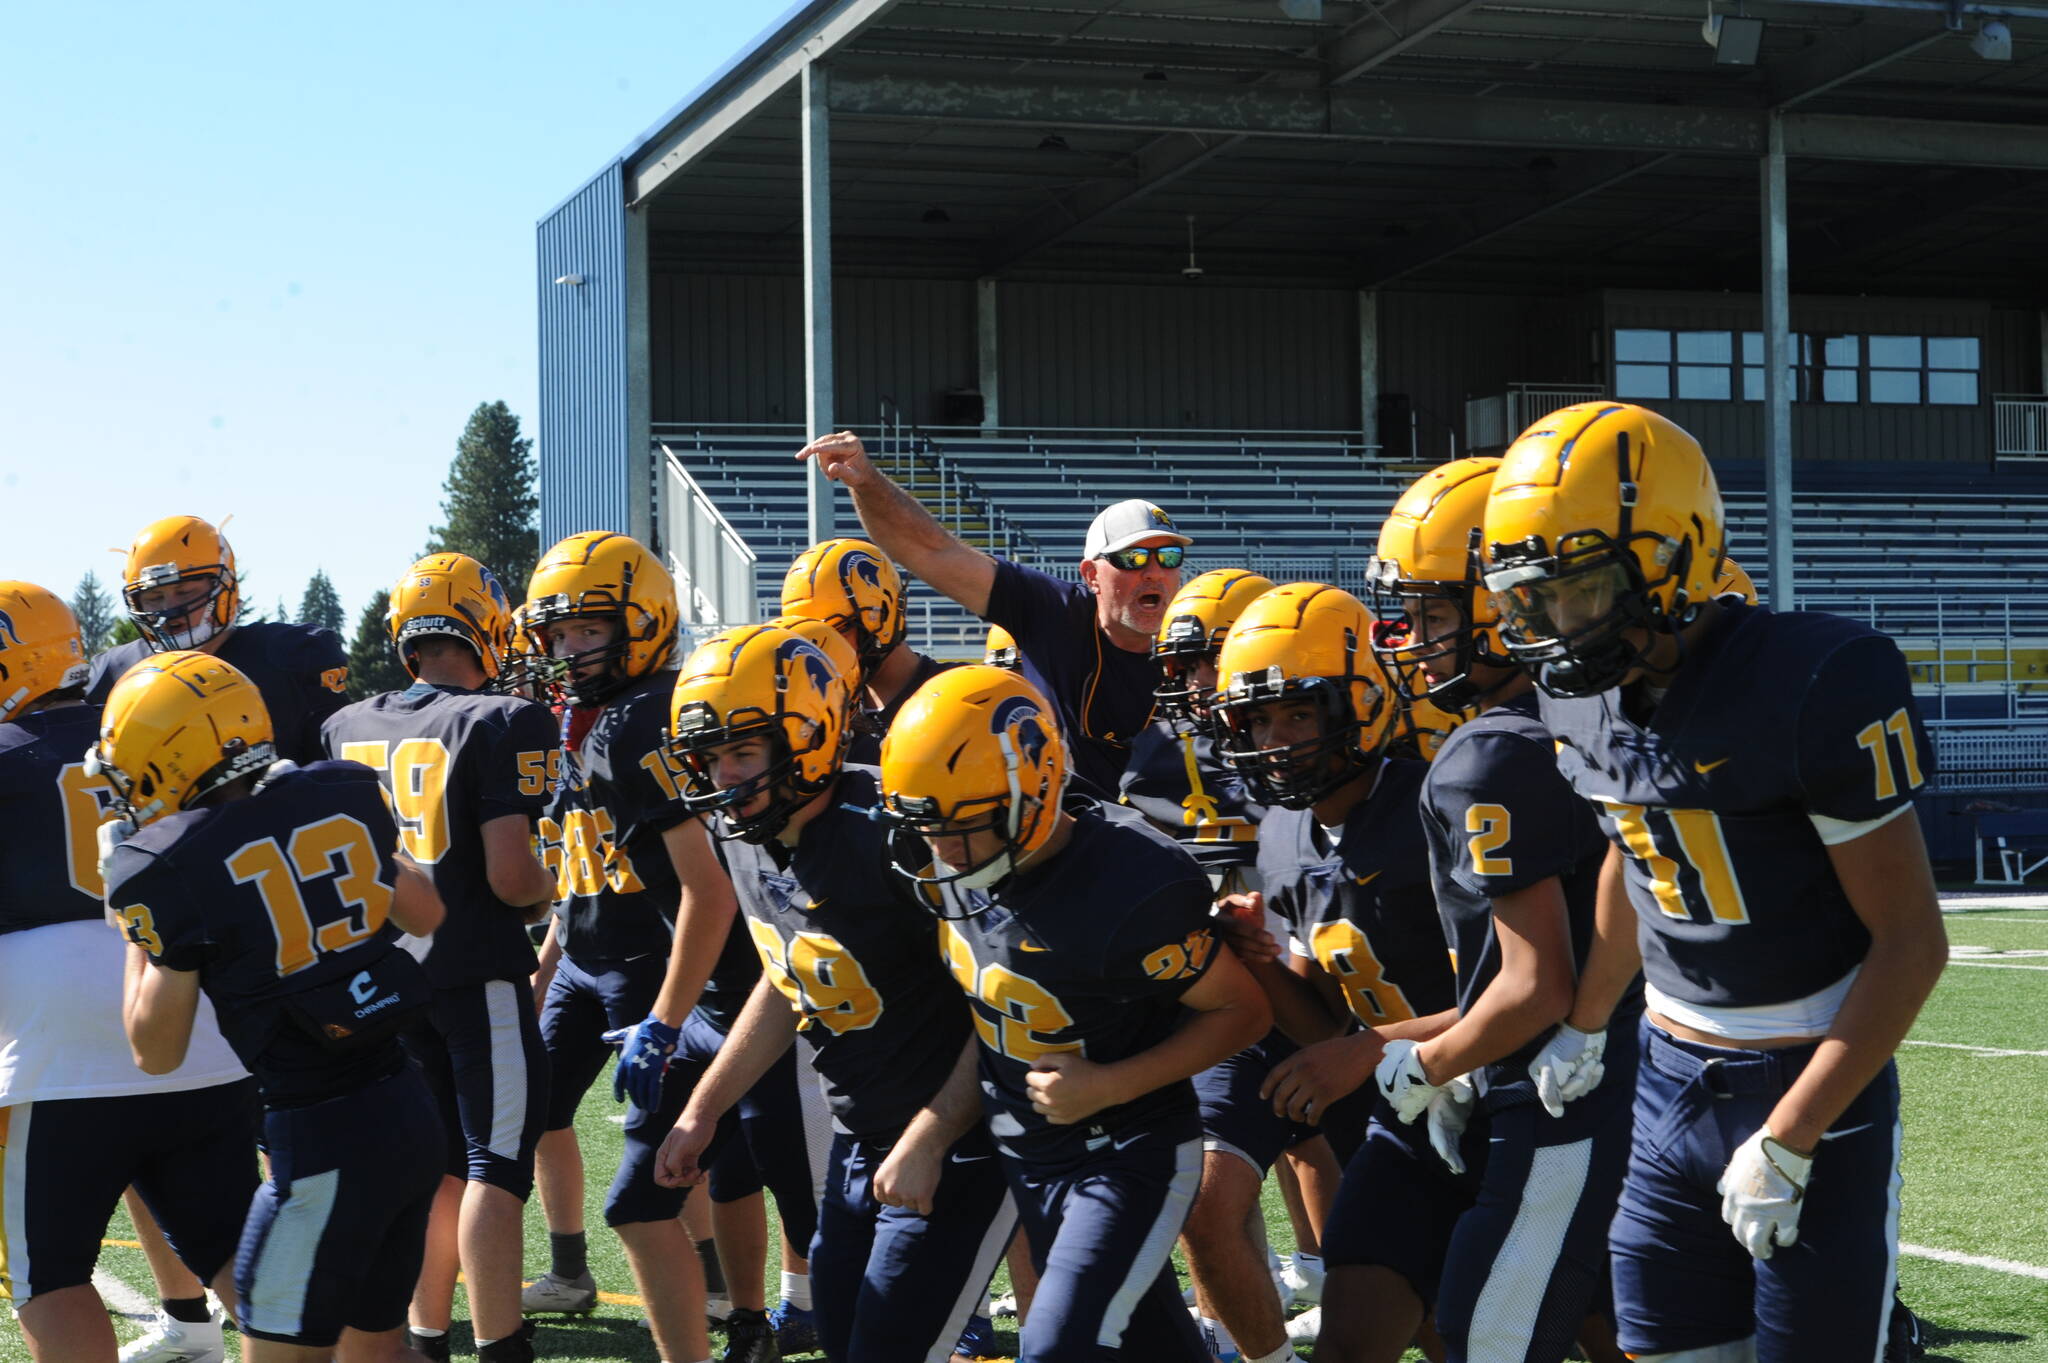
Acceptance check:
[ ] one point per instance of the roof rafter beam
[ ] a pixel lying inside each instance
(1375, 39)
(1839, 58)
(1159, 163)
(1431, 119)
(733, 97)
(1581, 181)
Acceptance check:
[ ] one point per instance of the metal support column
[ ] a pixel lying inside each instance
(643, 462)
(1369, 369)
(987, 349)
(818, 396)
(1778, 361)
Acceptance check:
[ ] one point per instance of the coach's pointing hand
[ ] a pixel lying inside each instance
(843, 458)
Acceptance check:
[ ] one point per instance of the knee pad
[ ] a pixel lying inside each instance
(1735, 1351)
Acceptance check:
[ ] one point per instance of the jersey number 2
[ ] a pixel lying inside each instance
(336, 847)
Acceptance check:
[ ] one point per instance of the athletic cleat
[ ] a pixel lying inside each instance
(717, 1307)
(567, 1296)
(749, 1338)
(1304, 1328)
(1003, 1307)
(177, 1341)
(1302, 1288)
(796, 1331)
(1217, 1353)
(978, 1340)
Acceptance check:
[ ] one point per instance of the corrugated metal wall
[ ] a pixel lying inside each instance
(1181, 355)
(587, 462)
(729, 348)
(1441, 348)
(1860, 431)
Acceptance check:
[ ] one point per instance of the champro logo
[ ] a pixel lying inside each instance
(363, 990)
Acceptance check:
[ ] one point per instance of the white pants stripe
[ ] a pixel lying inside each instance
(1504, 1318)
(1158, 1243)
(17, 1277)
(817, 1119)
(1002, 1228)
(508, 1069)
(1891, 1244)
(276, 1304)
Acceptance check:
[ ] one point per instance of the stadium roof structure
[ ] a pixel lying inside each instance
(1538, 144)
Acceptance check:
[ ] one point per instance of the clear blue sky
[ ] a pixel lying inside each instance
(264, 260)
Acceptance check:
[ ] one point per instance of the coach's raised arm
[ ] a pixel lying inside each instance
(1089, 647)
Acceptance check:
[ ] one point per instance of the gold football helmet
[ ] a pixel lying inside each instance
(1192, 630)
(1001, 649)
(1604, 522)
(1313, 643)
(40, 649)
(772, 684)
(175, 550)
(179, 726)
(456, 596)
(976, 750)
(852, 586)
(1429, 553)
(597, 573)
(1734, 583)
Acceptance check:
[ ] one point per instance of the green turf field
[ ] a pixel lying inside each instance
(1975, 1222)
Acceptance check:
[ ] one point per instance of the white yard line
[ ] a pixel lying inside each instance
(1949, 1256)
(1978, 1050)
(122, 1299)
(1996, 965)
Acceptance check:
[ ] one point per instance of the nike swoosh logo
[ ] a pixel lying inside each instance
(1026, 944)
(1126, 1142)
(1845, 1131)
(814, 906)
(1367, 880)
(1704, 767)
(959, 1158)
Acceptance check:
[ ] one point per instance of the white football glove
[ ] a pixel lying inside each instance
(109, 836)
(1568, 1067)
(1761, 1191)
(1402, 1082)
(1449, 1110)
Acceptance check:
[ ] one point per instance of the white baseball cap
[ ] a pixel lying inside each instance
(1126, 523)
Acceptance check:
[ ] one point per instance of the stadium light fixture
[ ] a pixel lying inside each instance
(1302, 9)
(569, 279)
(1992, 41)
(1736, 38)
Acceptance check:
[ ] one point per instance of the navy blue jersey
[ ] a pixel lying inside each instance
(1500, 817)
(1089, 952)
(299, 670)
(1103, 693)
(280, 902)
(1175, 780)
(1779, 734)
(49, 809)
(450, 761)
(1364, 909)
(845, 940)
(869, 725)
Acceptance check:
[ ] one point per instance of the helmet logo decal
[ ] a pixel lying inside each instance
(814, 661)
(8, 631)
(860, 565)
(1022, 714)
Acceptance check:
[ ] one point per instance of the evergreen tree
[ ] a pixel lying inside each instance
(321, 605)
(283, 616)
(373, 668)
(491, 500)
(124, 631)
(95, 612)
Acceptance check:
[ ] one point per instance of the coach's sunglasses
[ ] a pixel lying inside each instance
(1130, 560)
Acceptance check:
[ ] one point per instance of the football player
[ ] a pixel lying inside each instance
(1305, 712)
(760, 720)
(1084, 946)
(1515, 856)
(78, 1122)
(1754, 773)
(1175, 779)
(467, 773)
(180, 590)
(279, 893)
(853, 587)
(1087, 647)
(636, 880)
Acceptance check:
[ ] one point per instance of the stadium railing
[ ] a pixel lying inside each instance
(2020, 426)
(713, 565)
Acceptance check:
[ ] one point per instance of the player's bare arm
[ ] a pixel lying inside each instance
(899, 524)
(1306, 1004)
(764, 1029)
(1227, 1012)
(1889, 884)
(515, 873)
(909, 1177)
(1615, 957)
(415, 905)
(704, 916)
(157, 1010)
(1532, 992)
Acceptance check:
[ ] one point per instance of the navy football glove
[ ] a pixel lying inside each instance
(644, 1052)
